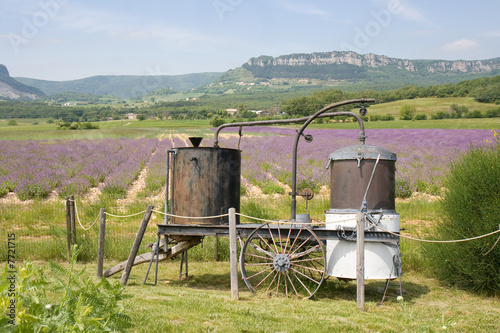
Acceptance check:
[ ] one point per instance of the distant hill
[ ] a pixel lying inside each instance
(13, 89)
(123, 86)
(347, 68)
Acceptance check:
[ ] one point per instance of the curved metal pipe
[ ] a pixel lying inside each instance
(299, 133)
(278, 122)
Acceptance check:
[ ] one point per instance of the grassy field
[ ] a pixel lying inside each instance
(202, 302)
(430, 105)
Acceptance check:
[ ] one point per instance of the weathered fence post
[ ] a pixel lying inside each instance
(233, 254)
(360, 261)
(73, 220)
(100, 246)
(68, 227)
(135, 247)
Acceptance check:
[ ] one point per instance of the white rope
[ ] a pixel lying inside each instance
(78, 218)
(126, 215)
(289, 222)
(292, 222)
(191, 217)
(434, 241)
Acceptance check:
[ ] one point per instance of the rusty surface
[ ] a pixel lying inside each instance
(205, 182)
(349, 182)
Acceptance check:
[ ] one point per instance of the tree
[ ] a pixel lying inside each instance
(407, 112)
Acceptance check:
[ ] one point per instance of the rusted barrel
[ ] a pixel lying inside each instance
(205, 182)
(351, 169)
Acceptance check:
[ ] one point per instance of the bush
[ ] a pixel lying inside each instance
(494, 113)
(403, 188)
(457, 111)
(474, 114)
(271, 187)
(470, 207)
(12, 123)
(377, 117)
(216, 121)
(421, 116)
(407, 112)
(440, 115)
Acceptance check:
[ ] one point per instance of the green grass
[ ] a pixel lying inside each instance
(202, 303)
(430, 105)
(25, 130)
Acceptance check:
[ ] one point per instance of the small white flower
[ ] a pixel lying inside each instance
(48, 306)
(399, 298)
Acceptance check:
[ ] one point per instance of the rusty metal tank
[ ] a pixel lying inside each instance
(351, 168)
(205, 182)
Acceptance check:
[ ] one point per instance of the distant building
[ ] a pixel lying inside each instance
(132, 115)
(232, 111)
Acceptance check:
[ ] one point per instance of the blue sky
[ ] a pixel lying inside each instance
(71, 39)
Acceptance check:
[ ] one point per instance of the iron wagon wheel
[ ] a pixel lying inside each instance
(283, 260)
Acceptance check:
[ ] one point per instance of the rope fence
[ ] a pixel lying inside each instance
(290, 222)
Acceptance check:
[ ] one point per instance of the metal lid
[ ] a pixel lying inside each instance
(362, 152)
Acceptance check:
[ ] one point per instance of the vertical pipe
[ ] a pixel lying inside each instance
(135, 247)
(233, 254)
(100, 245)
(360, 261)
(167, 185)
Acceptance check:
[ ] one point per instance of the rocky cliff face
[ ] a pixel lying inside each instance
(371, 60)
(12, 89)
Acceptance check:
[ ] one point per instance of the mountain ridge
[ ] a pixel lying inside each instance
(374, 61)
(10, 88)
(342, 69)
(123, 86)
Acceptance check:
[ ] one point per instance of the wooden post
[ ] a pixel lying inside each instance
(233, 254)
(360, 261)
(73, 220)
(100, 246)
(68, 227)
(216, 248)
(135, 247)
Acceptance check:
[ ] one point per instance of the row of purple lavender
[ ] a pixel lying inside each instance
(33, 169)
(424, 155)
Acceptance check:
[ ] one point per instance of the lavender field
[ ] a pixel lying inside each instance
(34, 169)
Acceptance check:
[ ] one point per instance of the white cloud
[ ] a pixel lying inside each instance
(460, 45)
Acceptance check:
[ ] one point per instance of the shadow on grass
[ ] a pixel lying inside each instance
(331, 288)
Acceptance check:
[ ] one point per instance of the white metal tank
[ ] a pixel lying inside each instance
(352, 173)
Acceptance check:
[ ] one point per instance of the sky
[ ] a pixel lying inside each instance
(72, 39)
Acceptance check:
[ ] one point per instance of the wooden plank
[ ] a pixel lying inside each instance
(146, 257)
(233, 254)
(100, 244)
(135, 246)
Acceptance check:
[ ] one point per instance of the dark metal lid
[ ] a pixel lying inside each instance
(362, 152)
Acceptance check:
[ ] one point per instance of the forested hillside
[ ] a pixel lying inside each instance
(485, 90)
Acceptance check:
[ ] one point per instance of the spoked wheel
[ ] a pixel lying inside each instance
(281, 260)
